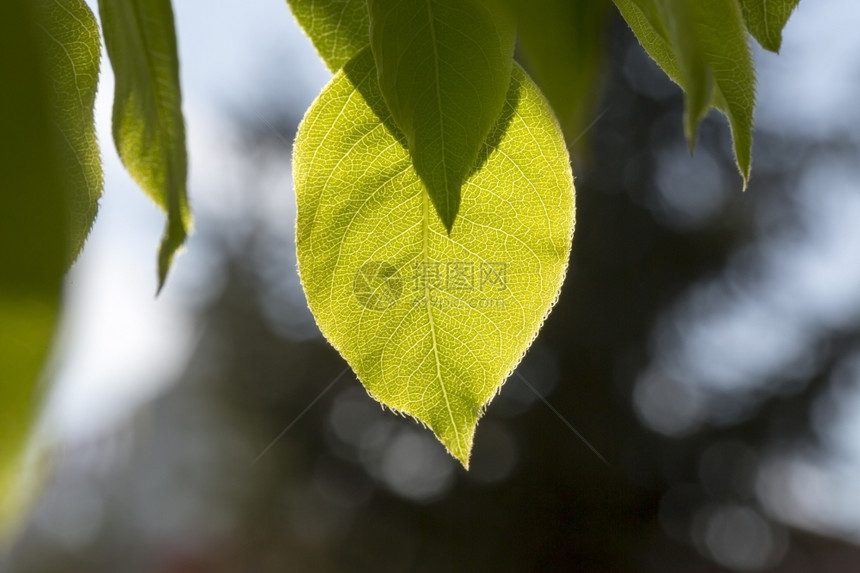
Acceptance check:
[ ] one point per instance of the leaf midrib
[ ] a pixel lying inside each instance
(149, 68)
(432, 26)
(766, 26)
(426, 257)
(173, 202)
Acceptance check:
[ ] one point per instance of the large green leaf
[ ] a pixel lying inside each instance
(70, 39)
(148, 127)
(766, 18)
(33, 237)
(721, 42)
(561, 45)
(444, 68)
(338, 28)
(432, 322)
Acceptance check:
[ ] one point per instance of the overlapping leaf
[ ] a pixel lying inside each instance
(148, 127)
(431, 322)
(337, 28)
(72, 50)
(444, 67)
(33, 236)
(680, 28)
(720, 41)
(765, 20)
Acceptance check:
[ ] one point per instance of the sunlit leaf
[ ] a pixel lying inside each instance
(337, 28)
(148, 127)
(33, 237)
(722, 39)
(444, 68)
(766, 18)
(72, 50)
(431, 322)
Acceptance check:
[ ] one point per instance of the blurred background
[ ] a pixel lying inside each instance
(706, 343)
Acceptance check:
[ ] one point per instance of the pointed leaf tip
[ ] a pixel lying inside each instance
(171, 243)
(444, 67)
(765, 20)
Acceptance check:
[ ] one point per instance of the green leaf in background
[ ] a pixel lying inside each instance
(432, 322)
(722, 40)
(669, 32)
(643, 18)
(444, 69)
(726, 50)
(337, 28)
(679, 26)
(766, 18)
(33, 239)
(72, 50)
(561, 45)
(148, 127)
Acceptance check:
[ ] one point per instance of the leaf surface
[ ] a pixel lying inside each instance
(337, 28)
(765, 20)
(431, 322)
(33, 239)
(721, 40)
(72, 51)
(444, 67)
(148, 127)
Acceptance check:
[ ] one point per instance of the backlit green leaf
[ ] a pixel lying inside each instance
(444, 69)
(33, 238)
(431, 322)
(72, 50)
(766, 18)
(148, 127)
(337, 28)
(722, 39)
